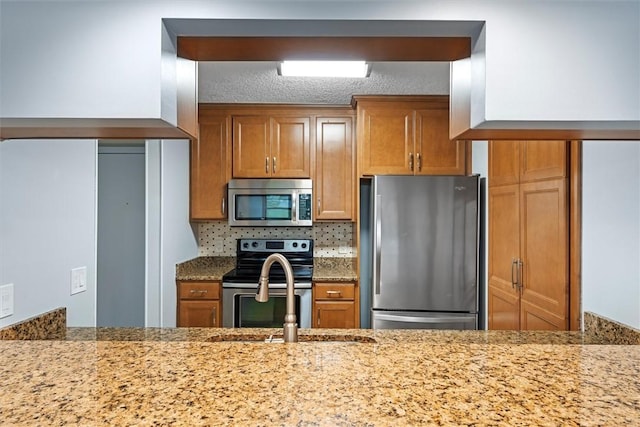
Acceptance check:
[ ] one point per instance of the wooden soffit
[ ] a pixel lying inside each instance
(385, 48)
(55, 128)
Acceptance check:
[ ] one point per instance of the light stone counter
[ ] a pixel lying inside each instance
(406, 378)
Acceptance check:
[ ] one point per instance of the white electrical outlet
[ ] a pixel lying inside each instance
(78, 280)
(6, 300)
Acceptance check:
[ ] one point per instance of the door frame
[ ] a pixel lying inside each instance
(575, 236)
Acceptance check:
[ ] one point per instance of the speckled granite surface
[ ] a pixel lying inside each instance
(176, 377)
(599, 328)
(205, 268)
(335, 269)
(46, 326)
(213, 268)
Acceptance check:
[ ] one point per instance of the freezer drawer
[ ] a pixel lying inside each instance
(422, 320)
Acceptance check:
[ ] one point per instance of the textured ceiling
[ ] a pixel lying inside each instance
(259, 82)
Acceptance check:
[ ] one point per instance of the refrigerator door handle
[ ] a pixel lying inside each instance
(419, 319)
(377, 238)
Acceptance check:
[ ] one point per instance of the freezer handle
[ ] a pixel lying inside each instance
(420, 319)
(377, 241)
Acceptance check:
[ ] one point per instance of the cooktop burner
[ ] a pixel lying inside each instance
(251, 254)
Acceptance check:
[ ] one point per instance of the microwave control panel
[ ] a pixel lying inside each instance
(304, 207)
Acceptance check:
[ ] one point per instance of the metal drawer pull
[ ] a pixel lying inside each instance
(198, 291)
(334, 293)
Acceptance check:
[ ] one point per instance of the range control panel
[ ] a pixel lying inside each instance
(274, 245)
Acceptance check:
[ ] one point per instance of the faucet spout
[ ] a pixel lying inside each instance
(290, 327)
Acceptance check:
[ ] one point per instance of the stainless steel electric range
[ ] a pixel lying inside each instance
(239, 307)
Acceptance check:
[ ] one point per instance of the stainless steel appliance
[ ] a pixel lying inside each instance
(239, 306)
(270, 202)
(425, 252)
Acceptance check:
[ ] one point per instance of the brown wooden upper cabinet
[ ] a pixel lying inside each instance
(407, 135)
(512, 162)
(271, 146)
(333, 184)
(210, 167)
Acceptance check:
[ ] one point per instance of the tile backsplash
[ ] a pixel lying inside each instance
(330, 239)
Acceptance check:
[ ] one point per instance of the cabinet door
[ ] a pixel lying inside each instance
(205, 313)
(542, 160)
(436, 154)
(504, 249)
(386, 140)
(544, 252)
(210, 169)
(334, 314)
(251, 148)
(504, 162)
(334, 184)
(290, 147)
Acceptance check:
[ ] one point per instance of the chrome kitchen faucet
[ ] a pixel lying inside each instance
(290, 327)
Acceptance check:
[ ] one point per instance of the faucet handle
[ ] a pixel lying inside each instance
(262, 293)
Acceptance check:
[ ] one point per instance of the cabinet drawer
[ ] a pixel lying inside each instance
(335, 291)
(199, 290)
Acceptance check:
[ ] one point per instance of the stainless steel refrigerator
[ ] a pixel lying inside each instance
(425, 252)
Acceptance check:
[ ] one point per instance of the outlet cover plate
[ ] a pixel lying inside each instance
(6, 300)
(78, 280)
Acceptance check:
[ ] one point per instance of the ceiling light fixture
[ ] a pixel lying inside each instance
(324, 68)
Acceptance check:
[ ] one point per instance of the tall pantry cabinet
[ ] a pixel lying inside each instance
(528, 235)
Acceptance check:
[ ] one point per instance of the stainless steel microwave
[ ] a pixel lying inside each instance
(270, 202)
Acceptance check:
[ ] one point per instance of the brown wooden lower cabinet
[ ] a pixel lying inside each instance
(199, 304)
(334, 305)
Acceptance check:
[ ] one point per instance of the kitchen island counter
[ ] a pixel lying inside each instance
(194, 377)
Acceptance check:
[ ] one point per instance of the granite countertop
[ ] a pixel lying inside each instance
(213, 268)
(335, 269)
(192, 376)
(205, 268)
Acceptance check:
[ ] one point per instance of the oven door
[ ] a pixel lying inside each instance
(241, 310)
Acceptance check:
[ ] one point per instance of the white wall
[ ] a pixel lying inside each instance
(179, 239)
(552, 60)
(47, 226)
(170, 237)
(153, 262)
(611, 230)
(480, 166)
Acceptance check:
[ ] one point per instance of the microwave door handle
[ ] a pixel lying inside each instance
(294, 207)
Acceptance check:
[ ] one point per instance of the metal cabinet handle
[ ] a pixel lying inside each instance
(274, 165)
(419, 159)
(334, 293)
(519, 276)
(514, 280)
(200, 292)
(318, 205)
(266, 164)
(318, 322)
(214, 317)
(223, 206)
(411, 161)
